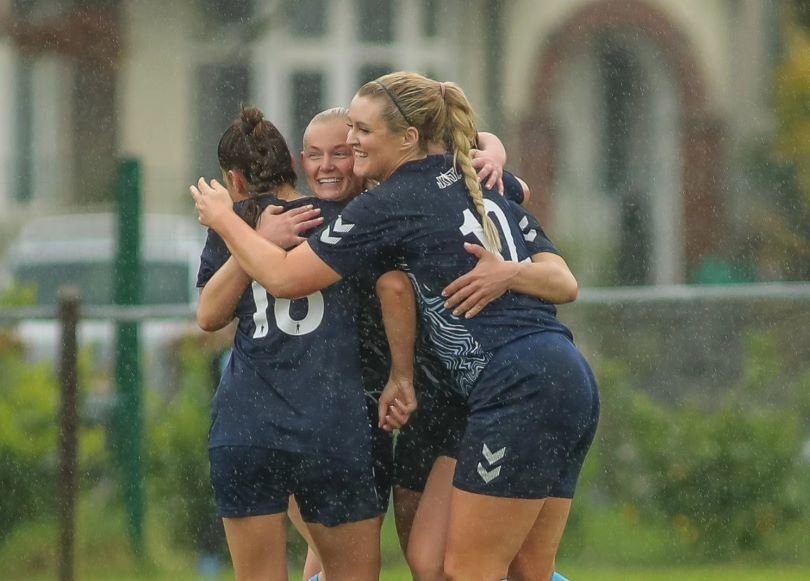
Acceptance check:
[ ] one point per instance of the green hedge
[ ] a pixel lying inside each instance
(713, 482)
(728, 478)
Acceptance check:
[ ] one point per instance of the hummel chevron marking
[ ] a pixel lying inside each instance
(523, 222)
(338, 226)
(341, 227)
(530, 235)
(493, 457)
(488, 475)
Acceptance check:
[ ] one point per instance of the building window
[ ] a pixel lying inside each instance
(376, 20)
(221, 89)
(227, 12)
(299, 73)
(24, 130)
(430, 18)
(370, 72)
(308, 18)
(307, 100)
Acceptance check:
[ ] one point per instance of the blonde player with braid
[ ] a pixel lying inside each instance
(532, 400)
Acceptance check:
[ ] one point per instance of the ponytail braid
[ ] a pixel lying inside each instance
(460, 134)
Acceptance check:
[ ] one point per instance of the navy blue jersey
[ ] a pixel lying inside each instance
(512, 190)
(533, 235)
(294, 381)
(423, 214)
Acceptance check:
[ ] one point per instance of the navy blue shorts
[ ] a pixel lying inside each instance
(250, 481)
(434, 430)
(533, 416)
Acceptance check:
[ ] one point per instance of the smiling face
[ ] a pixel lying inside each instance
(328, 162)
(377, 151)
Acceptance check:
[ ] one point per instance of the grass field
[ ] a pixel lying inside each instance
(709, 573)
(602, 548)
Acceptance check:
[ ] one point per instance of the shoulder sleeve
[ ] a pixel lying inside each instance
(512, 190)
(533, 234)
(213, 256)
(362, 233)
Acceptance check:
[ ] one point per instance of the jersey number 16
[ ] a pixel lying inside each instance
(282, 315)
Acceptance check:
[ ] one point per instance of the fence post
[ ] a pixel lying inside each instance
(128, 418)
(68, 425)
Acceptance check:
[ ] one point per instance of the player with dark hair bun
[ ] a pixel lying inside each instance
(289, 414)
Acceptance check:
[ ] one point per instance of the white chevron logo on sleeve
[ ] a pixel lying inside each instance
(338, 226)
(488, 475)
(341, 227)
(492, 457)
(530, 234)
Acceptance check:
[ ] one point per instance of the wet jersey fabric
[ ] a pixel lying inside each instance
(422, 215)
(293, 382)
(512, 190)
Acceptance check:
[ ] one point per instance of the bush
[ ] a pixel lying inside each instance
(177, 450)
(28, 403)
(29, 400)
(726, 478)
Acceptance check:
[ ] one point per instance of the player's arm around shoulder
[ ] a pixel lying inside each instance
(220, 296)
(547, 277)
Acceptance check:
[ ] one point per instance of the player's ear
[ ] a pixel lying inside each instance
(236, 180)
(410, 138)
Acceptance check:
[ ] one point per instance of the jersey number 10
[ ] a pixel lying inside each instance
(282, 315)
(472, 225)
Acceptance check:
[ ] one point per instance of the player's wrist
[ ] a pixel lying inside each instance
(401, 374)
(516, 269)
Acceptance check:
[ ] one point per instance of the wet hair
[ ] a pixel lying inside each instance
(253, 146)
(442, 115)
(335, 113)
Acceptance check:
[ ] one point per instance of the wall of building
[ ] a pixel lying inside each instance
(703, 23)
(156, 98)
(6, 123)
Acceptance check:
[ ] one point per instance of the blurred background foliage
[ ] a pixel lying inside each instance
(712, 476)
(781, 221)
(668, 483)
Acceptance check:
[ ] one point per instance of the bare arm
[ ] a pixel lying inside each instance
(220, 295)
(398, 305)
(284, 274)
(546, 277)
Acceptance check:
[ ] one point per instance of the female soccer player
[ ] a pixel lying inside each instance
(289, 415)
(533, 404)
(327, 165)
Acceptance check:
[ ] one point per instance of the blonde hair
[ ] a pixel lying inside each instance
(442, 115)
(335, 113)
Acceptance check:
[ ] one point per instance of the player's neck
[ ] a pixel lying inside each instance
(288, 193)
(410, 155)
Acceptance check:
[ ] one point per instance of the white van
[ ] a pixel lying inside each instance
(79, 250)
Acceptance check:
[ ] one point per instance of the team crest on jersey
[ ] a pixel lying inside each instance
(339, 227)
(448, 178)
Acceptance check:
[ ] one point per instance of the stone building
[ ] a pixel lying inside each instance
(626, 117)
